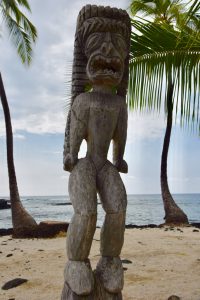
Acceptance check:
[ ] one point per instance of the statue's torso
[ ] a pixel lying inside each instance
(101, 112)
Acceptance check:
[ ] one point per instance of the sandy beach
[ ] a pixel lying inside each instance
(162, 262)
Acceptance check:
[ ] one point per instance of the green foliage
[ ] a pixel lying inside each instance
(22, 32)
(162, 11)
(162, 52)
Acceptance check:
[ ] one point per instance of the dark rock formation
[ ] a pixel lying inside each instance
(197, 225)
(4, 204)
(62, 204)
(126, 261)
(129, 226)
(5, 231)
(51, 228)
(174, 297)
(45, 229)
(13, 283)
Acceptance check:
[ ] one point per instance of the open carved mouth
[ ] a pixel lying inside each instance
(104, 66)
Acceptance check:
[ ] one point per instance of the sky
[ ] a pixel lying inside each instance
(37, 100)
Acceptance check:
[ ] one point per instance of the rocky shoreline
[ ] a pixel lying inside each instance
(52, 228)
(45, 229)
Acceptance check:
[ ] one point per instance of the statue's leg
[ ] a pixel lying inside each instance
(114, 200)
(82, 192)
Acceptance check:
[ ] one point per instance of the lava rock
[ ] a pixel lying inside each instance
(126, 261)
(197, 225)
(45, 229)
(174, 297)
(65, 203)
(51, 228)
(13, 283)
(128, 226)
(8, 255)
(4, 204)
(5, 231)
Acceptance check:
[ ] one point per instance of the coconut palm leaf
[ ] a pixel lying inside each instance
(193, 12)
(142, 6)
(156, 52)
(22, 32)
(162, 11)
(13, 4)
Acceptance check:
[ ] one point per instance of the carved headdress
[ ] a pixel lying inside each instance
(92, 19)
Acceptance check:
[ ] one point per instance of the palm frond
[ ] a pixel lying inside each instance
(28, 27)
(24, 3)
(156, 52)
(20, 39)
(13, 4)
(22, 32)
(193, 11)
(146, 8)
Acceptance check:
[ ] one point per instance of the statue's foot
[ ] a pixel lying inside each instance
(79, 276)
(110, 272)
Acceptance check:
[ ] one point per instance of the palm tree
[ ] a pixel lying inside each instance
(23, 34)
(166, 53)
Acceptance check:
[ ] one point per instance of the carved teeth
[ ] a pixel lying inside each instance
(105, 65)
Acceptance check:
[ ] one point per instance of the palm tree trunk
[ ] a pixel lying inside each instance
(23, 223)
(173, 213)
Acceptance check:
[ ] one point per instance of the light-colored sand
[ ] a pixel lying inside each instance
(163, 263)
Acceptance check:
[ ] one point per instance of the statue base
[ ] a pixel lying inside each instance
(99, 293)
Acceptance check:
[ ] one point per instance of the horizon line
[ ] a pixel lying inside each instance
(137, 194)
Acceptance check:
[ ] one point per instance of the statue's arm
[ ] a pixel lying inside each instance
(119, 141)
(78, 131)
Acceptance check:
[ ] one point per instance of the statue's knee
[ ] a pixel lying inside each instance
(112, 234)
(116, 219)
(115, 204)
(80, 235)
(111, 189)
(84, 220)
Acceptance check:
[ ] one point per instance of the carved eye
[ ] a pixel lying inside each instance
(93, 42)
(120, 44)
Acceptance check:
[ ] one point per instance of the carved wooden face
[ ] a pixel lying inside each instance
(106, 52)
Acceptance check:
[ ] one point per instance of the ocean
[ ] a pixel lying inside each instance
(141, 209)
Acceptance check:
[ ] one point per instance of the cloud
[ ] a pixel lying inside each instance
(2, 129)
(42, 123)
(53, 152)
(131, 177)
(36, 95)
(37, 100)
(145, 126)
(178, 179)
(19, 136)
(65, 177)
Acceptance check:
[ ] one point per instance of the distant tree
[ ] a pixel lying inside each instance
(23, 34)
(165, 52)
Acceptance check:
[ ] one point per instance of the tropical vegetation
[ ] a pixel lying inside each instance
(165, 65)
(23, 34)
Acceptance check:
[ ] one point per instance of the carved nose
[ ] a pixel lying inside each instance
(107, 48)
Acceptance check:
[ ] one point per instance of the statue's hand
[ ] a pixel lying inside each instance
(69, 161)
(121, 166)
